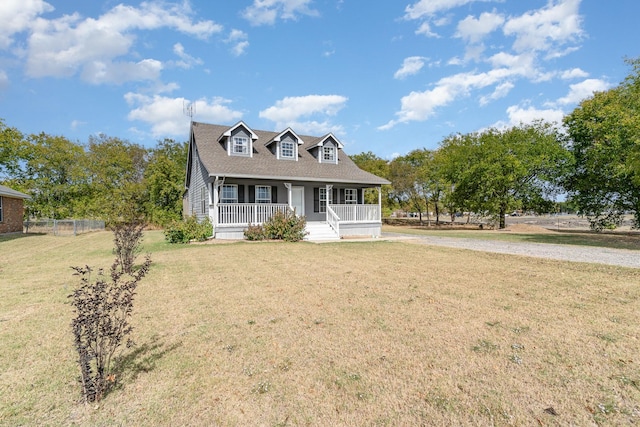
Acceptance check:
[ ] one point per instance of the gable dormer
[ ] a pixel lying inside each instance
(326, 149)
(239, 140)
(285, 145)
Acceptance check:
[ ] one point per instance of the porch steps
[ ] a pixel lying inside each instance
(320, 231)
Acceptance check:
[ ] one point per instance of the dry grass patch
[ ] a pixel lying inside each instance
(351, 333)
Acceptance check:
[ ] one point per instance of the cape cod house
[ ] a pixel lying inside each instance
(239, 176)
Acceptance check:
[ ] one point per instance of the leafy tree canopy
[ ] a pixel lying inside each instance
(604, 133)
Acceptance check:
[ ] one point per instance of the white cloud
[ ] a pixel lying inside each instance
(425, 29)
(75, 124)
(99, 72)
(239, 42)
(64, 46)
(473, 30)
(574, 73)
(411, 65)
(288, 112)
(501, 91)
(583, 90)
(4, 80)
(426, 8)
(17, 16)
(166, 115)
(419, 106)
(266, 12)
(547, 29)
(186, 61)
(294, 107)
(519, 115)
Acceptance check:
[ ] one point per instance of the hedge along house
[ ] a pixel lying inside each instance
(11, 210)
(238, 176)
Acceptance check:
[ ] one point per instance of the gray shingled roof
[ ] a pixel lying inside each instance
(265, 165)
(9, 192)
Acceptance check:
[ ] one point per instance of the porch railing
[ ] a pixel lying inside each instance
(356, 213)
(248, 213)
(333, 220)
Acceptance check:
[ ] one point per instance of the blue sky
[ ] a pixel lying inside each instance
(386, 77)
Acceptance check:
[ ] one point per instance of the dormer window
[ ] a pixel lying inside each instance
(240, 145)
(285, 145)
(238, 140)
(328, 154)
(325, 149)
(287, 150)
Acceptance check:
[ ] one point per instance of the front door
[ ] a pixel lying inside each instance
(297, 200)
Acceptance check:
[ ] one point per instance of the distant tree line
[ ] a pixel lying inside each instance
(107, 177)
(591, 162)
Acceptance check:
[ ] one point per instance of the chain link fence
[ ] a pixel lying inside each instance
(63, 227)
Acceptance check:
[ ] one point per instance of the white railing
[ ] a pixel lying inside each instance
(248, 213)
(357, 213)
(333, 220)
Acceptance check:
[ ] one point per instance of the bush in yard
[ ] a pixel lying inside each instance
(127, 240)
(254, 232)
(285, 226)
(188, 230)
(102, 307)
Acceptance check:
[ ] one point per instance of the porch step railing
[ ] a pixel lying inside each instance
(248, 213)
(356, 213)
(333, 220)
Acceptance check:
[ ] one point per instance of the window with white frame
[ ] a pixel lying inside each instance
(350, 196)
(229, 194)
(1, 210)
(240, 145)
(328, 153)
(287, 150)
(322, 200)
(203, 200)
(263, 194)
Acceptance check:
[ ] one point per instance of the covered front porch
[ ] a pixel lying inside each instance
(355, 218)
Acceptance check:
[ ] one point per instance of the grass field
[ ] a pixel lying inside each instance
(351, 333)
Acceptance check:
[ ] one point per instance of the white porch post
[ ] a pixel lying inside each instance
(329, 200)
(288, 187)
(379, 203)
(215, 189)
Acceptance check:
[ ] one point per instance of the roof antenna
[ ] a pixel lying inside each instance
(188, 109)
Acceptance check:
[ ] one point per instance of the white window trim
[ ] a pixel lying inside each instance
(322, 200)
(324, 154)
(229, 199)
(350, 196)
(241, 142)
(203, 200)
(293, 150)
(266, 199)
(1, 210)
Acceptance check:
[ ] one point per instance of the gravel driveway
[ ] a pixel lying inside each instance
(598, 255)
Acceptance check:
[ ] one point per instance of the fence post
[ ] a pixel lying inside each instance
(75, 230)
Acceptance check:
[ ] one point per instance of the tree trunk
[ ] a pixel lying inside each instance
(503, 212)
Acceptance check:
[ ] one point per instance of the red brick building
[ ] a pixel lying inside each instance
(11, 210)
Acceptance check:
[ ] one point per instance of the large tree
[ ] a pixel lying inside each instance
(12, 152)
(604, 133)
(115, 170)
(51, 172)
(164, 181)
(496, 171)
